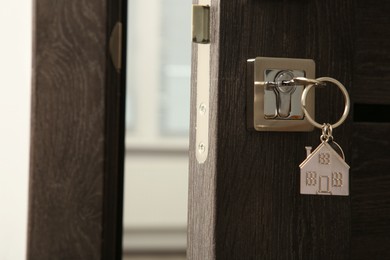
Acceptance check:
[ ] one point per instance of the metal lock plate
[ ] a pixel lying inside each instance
(201, 39)
(278, 108)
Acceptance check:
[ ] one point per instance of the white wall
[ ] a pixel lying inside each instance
(15, 96)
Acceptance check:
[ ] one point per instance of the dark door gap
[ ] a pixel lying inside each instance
(371, 113)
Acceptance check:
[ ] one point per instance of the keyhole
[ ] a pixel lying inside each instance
(283, 93)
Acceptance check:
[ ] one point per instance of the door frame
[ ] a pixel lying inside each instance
(77, 131)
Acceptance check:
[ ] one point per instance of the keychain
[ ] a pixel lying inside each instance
(324, 171)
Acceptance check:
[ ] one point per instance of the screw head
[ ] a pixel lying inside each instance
(201, 148)
(202, 109)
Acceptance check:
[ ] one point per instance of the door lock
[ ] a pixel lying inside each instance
(281, 100)
(275, 91)
(284, 94)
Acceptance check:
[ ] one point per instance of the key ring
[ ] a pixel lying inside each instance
(346, 98)
(327, 131)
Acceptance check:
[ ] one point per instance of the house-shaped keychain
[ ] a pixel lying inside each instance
(324, 172)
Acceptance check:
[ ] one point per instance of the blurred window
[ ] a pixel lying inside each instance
(157, 126)
(158, 71)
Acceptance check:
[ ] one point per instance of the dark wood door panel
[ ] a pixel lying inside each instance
(77, 133)
(67, 145)
(370, 182)
(370, 178)
(259, 213)
(372, 57)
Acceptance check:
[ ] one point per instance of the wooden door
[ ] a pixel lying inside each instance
(77, 142)
(244, 201)
(370, 200)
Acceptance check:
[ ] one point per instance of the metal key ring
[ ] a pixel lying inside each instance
(346, 98)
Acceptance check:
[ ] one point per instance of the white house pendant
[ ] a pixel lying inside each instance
(324, 172)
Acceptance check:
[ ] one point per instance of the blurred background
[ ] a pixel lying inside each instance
(157, 126)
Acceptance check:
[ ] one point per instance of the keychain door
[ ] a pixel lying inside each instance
(244, 198)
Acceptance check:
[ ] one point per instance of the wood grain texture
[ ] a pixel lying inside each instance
(245, 201)
(202, 177)
(372, 59)
(70, 168)
(370, 191)
(371, 154)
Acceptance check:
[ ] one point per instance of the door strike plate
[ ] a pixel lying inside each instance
(277, 107)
